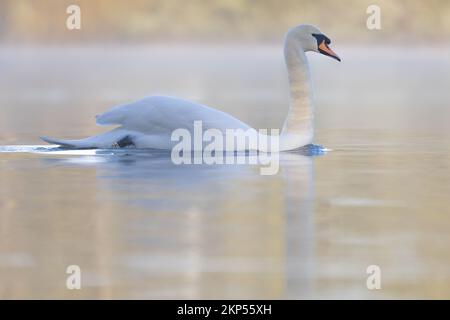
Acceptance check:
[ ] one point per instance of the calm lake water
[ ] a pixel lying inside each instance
(140, 227)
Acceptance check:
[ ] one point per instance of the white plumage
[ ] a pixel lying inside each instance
(150, 122)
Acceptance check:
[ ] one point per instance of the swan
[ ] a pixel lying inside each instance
(149, 122)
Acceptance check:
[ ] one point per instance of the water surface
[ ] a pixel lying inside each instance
(141, 227)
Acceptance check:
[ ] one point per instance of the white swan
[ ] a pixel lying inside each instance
(149, 123)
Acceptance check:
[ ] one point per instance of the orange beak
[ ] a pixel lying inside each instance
(324, 49)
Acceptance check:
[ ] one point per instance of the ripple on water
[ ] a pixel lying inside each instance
(308, 150)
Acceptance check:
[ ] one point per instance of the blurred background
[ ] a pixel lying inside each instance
(220, 20)
(140, 227)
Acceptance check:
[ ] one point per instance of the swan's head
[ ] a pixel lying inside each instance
(311, 38)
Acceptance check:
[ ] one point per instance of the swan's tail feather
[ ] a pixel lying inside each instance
(62, 143)
(113, 139)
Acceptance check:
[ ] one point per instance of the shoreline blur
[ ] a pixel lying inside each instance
(224, 21)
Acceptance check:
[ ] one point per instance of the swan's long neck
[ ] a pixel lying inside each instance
(298, 129)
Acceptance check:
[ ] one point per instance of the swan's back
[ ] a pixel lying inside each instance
(162, 114)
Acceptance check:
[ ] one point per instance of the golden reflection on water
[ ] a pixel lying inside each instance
(164, 236)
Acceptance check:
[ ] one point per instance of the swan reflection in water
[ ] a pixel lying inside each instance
(198, 230)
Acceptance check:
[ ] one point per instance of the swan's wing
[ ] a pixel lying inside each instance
(158, 114)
